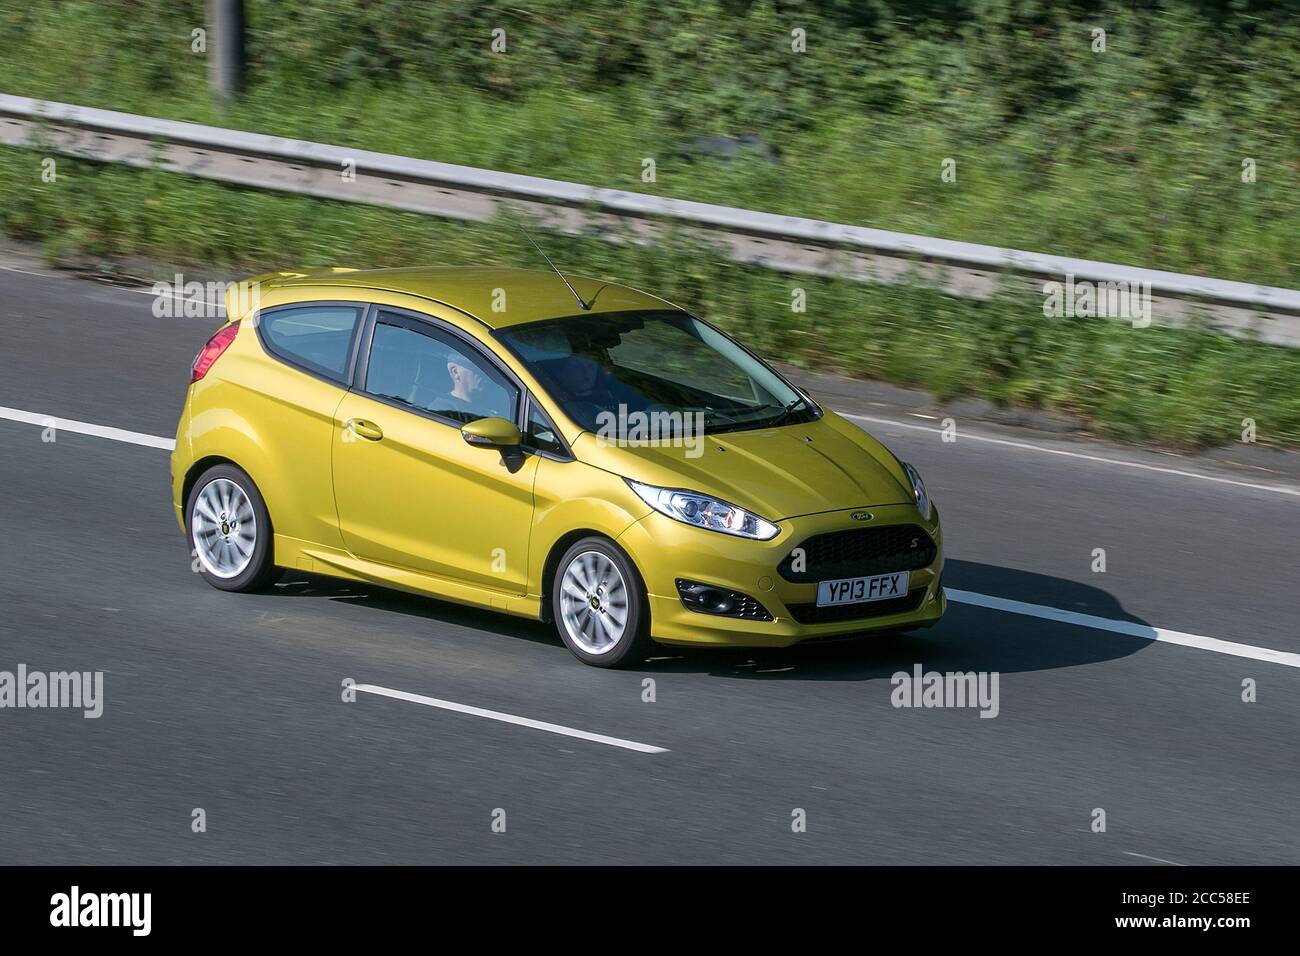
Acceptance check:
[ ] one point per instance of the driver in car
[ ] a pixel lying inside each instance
(582, 381)
(468, 399)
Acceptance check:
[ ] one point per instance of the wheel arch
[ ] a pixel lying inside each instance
(552, 565)
(198, 468)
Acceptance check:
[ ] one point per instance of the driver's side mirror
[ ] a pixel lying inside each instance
(492, 433)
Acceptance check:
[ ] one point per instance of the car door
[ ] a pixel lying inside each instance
(410, 491)
(289, 403)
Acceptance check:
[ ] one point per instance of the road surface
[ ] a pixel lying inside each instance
(233, 703)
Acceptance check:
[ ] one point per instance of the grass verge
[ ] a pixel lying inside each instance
(1180, 387)
(1133, 153)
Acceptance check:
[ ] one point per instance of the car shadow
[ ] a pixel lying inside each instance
(389, 600)
(969, 638)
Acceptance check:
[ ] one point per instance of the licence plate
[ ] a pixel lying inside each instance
(878, 587)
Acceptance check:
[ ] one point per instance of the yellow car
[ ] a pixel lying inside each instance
(578, 452)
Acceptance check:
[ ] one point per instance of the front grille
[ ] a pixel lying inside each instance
(858, 552)
(812, 614)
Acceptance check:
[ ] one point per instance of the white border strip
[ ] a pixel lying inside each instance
(1127, 628)
(511, 719)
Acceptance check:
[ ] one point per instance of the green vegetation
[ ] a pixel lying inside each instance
(1129, 155)
(1179, 387)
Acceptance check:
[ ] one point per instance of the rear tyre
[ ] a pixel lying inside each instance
(230, 531)
(599, 605)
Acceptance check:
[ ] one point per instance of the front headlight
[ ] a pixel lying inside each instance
(705, 512)
(918, 490)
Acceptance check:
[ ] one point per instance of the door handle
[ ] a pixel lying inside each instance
(367, 430)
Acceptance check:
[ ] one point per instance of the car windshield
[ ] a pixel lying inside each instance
(603, 368)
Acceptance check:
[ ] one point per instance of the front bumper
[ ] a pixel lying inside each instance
(665, 550)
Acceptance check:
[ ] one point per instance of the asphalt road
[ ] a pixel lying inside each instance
(233, 703)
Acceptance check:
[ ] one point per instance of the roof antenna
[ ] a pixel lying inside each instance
(585, 307)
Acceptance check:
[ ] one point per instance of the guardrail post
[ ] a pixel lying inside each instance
(226, 51)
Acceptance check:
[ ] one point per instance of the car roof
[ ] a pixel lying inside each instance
(530, 295)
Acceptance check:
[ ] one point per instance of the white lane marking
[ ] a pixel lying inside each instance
(961, 597)
(85, 428)
(29, 272)
(1155, 858)
(177, 295)
(1028, 446)
(1128, 628)
(511, 719)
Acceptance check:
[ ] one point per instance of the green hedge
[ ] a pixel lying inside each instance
(1175, 386)
(1131, 155)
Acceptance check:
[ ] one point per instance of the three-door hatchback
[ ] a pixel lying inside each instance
(592, 456)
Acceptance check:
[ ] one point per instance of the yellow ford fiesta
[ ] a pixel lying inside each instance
(578, 452)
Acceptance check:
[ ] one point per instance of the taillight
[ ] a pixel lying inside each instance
(212, 351)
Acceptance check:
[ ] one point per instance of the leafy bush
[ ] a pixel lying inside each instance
(1131, 155)
(1176, 386)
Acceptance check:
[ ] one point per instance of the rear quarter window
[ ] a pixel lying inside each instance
(317, 338)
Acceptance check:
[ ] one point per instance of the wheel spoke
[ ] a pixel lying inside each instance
(204, 507)
(577, 575)
(618, 615)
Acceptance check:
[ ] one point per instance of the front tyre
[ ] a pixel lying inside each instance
(230, 530)
(599, 605)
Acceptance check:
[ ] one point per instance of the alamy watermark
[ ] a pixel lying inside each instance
(657, 429)
(77, 909)
(951, 689)
(204, 300)
(1082, 299)
(76, 690)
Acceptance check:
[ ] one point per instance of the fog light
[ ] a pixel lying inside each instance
(708, 599)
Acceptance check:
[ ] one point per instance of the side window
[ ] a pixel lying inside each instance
(317, 337)
(435, 372)
(541, 434)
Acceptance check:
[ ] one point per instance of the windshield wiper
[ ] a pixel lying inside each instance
(710, 413)
(786, 412)
(751, 424)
